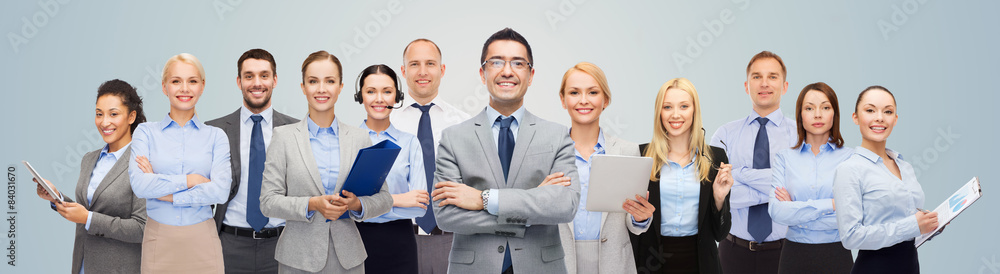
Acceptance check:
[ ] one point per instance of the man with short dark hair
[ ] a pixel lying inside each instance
(755, 241)
(248, 237)
(489, 168)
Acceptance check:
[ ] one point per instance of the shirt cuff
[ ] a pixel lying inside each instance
(643, 224)
(359, 214)
(90, 215)
(493, 203)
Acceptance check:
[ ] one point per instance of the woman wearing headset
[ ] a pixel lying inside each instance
(389, 239)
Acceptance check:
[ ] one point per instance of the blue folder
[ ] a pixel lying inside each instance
(370, 169)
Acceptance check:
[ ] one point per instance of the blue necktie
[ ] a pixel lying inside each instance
(759, 221)
(255, 175)
(506, 151)
(426, 137)
(505, 144)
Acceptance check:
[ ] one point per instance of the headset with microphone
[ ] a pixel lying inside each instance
(379, 69)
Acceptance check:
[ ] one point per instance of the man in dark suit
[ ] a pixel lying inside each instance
(248, 237)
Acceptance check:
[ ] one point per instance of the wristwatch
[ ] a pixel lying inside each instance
(486, 198)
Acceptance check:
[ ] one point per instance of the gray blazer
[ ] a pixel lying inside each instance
(528, 215)
(615, 246)
(231, 125)
(114, 242)
(291, 177)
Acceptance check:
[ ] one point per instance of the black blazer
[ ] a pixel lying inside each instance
(713, 226)
(230, 124)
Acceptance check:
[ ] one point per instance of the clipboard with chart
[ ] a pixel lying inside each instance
(954, 205)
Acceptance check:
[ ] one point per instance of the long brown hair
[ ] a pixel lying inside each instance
(835, 136)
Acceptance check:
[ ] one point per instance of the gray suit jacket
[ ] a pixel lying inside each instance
(615, 247)
(291, 177)
(114, 242)
(230, 124)
(528, 214)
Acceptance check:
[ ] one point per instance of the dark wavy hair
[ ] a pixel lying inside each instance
(130, 98)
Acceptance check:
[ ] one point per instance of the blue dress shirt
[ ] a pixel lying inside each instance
(407, 171)
(752, 186)
(810, 216)
(494, 204)
(874, 208)
(680, 190)
(325, 144)
(236, 213)
(175, 151)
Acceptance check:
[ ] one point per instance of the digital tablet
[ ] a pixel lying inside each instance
(613, 179)
(41, 182)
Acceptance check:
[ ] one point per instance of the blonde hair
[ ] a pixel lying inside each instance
(186, 58)
(593, 71)
(659, 146)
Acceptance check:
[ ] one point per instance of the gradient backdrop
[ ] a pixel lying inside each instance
(936, 56)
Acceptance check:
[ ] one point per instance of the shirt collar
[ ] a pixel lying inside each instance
(874, 158)
(117, 154)
(314, 129)
(827, 147)
(245, 115)
(391, 131)
(598, 148)
(166, 122)
(492, 114)
(775, 117)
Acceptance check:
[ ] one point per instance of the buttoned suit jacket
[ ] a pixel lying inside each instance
(528, 215)
(114, 242)
(291, 177)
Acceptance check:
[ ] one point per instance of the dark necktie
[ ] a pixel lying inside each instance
(426, 137)
(255, 175)
(505, 146)
(759, 221)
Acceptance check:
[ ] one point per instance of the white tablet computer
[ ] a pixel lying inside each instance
(615, 178)
(41, 181)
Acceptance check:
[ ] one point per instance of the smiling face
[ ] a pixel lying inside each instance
(113, 120)
(817, 113)
(423, 69)
(256, 80)
(875, 115)
(507, 85)
(766, 84)
(583, 98)
(377, 92)
(677, 113)
(183, 86)
(321, 85)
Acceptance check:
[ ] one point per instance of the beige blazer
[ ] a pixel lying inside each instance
(291, 177)
(615, 247)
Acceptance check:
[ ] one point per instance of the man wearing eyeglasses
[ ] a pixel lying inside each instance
(488, 170)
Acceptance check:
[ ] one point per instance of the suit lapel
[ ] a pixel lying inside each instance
(348, 147)
(525, 132)
(484, 132)
(84, 182)
(301, 136)
(232, 129)
(120, 167)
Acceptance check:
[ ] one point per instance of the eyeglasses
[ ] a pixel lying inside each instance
(514, 64)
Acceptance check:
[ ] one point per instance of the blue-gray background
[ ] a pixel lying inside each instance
(938, 58)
